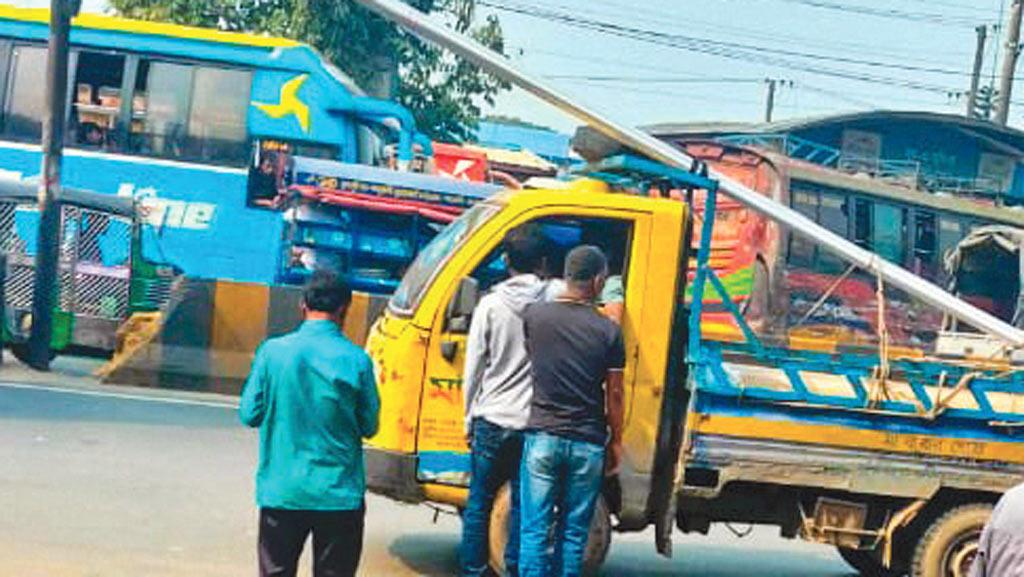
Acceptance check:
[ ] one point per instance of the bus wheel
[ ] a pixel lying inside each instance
(866, 563)
(950, 543)
(20, 352)
(597, 546)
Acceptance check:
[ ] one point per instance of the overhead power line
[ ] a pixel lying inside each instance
(892, 13)
(732, 50)
(656, 79)
(963, 6)
(536, 10)
(646, 14)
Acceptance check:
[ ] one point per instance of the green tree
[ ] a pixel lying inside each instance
(445, 94)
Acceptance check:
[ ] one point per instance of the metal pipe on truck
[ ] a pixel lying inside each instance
(430, 30)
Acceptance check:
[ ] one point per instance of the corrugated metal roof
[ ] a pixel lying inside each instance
(546, 143)
(793, 125)
(521, 158)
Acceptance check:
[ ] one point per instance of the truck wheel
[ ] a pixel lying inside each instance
(950, 543)
(866, 563)
(597, 546)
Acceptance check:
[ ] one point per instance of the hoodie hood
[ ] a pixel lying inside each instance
(520, 291)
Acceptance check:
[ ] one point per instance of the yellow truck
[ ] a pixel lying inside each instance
(896, 461)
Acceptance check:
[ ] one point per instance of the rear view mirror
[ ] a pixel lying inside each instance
(460, 309)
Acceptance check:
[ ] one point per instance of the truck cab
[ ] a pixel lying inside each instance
(418, 345)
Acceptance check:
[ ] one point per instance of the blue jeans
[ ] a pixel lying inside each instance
(496, 452)
(564, 475)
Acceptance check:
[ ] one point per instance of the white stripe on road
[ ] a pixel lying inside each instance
(124, 396)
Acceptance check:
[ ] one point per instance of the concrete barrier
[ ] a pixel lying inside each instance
(205, 337)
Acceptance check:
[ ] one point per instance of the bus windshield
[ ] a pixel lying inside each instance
(434, 255)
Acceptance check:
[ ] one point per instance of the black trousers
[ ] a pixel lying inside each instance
(337, 541)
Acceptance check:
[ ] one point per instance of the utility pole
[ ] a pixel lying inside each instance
(769, 104)
(1010, 52)
(773, 84)
(48, 239)
(979, 57)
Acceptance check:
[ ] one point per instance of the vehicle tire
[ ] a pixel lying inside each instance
(20, 352)
(597, 546)
(866, 563)
(950, 543)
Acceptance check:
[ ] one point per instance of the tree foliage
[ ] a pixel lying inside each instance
(445, 94)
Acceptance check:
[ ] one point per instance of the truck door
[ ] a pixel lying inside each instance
(441, 444)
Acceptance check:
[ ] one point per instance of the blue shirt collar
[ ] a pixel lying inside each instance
(319, 326)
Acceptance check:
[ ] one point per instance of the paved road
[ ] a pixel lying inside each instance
(93, 485)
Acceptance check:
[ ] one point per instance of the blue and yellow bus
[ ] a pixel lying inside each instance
(197, 125)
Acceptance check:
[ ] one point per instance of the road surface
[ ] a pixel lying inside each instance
(115, 482)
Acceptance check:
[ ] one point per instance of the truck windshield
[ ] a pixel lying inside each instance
(433, 256)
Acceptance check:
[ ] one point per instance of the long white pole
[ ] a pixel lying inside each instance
(430, 30)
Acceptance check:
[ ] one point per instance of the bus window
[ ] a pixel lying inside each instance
(270, 170)
(191, 112)
(925, 263)
(832, 215)
(164, 89)
(862, 223)
(96, 100)
(26, 99)
(216, 124)
(888, 238)
(801, 248)
(951, 232)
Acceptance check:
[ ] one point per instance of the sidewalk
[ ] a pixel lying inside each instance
(77, 374)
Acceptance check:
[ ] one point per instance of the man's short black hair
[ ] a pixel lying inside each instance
(585, 263)
(525, 247)
(326, 292)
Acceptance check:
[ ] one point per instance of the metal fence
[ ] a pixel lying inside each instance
(94, 266)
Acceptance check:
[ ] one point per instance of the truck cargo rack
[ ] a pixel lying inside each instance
(851, 379)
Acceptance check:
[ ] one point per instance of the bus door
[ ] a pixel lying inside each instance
(623, 235)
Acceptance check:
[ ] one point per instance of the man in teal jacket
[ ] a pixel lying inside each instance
(313, 397)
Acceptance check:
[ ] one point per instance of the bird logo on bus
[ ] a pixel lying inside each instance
(289, 103)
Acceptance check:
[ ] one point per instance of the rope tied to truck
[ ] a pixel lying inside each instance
(943, 402)
(881, 373)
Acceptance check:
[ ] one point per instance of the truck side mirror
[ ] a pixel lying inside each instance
(460, 309)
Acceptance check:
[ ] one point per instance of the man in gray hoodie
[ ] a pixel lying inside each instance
(498, 390)
(1001, 551)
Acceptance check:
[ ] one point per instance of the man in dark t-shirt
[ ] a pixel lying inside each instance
(574, 433)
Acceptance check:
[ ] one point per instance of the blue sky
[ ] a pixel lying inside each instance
(925, 34)
(916, 53)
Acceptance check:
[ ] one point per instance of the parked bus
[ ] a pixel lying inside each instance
(198, 125)
(778, 279)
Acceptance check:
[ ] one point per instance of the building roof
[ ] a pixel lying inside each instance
(524, 159)
(546, 143)
(979, 127)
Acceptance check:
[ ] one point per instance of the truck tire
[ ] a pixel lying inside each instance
(949, 545)
(866, 563)
(597, 545)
